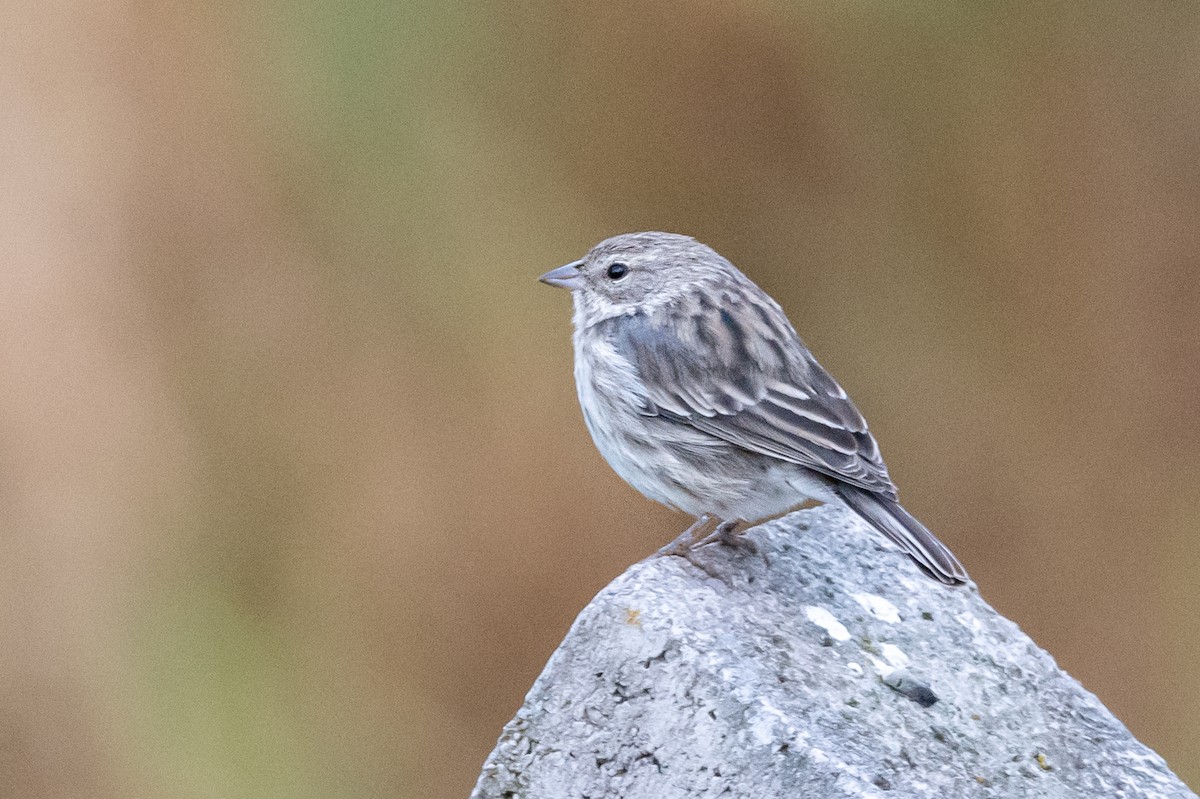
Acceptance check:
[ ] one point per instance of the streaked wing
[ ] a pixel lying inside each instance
(733, 367)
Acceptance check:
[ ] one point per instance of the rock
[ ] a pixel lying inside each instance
(830, 668)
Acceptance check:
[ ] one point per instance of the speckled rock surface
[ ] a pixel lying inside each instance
(810, 676)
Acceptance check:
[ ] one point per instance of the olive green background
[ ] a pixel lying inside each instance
(295, 497)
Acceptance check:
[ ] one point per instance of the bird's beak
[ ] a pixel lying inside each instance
(565, 277)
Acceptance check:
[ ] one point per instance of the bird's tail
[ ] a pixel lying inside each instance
(888, 517)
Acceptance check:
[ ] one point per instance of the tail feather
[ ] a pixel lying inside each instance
(888, 517)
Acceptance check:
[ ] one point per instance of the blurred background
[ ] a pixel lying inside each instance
(295, 496)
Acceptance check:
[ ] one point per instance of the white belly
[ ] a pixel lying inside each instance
(678, 465)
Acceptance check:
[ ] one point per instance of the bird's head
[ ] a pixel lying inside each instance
(639, 273)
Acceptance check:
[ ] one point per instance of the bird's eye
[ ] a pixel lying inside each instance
(617, 271)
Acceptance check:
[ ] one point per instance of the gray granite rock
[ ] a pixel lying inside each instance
(833, 670)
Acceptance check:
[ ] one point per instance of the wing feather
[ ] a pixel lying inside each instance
(745, 377)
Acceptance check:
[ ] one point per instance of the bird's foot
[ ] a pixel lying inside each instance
(688, 544)
(684, 546)
(685, 542)
(726, 533)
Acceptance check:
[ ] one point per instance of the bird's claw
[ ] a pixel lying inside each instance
(687, 545)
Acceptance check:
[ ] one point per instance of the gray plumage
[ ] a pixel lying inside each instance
(700, 394)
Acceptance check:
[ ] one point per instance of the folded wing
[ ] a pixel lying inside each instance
(733, 367)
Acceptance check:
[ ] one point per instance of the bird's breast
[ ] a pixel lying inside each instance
(613, 400)
(611, 393)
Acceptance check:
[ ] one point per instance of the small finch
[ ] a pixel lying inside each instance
(699, 394)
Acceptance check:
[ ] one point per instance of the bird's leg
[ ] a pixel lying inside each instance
(685, 542)
(689, 542)
(727, 534)
(684, 546)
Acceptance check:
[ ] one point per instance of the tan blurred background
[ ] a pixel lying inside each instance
(295, 497)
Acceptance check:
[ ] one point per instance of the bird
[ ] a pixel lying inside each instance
(697, 390)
